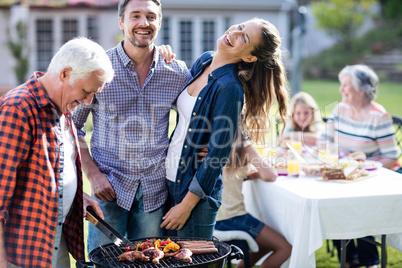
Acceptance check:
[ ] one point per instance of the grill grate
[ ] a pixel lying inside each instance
(107, 256)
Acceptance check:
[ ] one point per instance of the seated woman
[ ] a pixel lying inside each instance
(232, 215)
(359, 124)
(305, 117)
(246, 68)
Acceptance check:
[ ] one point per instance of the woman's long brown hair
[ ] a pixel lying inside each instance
(264, 81)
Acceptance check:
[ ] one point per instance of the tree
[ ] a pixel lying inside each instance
(18, 49)
(341, 18)
(392, 9)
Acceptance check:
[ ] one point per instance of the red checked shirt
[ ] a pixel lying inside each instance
(29, 164)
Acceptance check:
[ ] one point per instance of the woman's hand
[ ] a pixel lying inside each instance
(166, 52)
(176, 217)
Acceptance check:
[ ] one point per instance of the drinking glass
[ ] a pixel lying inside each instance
(261, 149)
(296, 140)
(332, 155)
(293, 165)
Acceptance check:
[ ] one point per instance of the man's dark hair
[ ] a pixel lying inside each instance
(123, 4)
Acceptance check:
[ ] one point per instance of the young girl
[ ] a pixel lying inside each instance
(246, 68)
(232, 214)
(306, 118)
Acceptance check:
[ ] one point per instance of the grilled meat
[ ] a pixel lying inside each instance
(132, 256)
(183, 254)
(154, 254)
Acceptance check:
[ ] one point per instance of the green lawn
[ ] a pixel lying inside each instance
(326, 93)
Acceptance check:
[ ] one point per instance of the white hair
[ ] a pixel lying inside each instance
(363, 79)
(84, 57)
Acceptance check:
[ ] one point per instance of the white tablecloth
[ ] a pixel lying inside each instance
(306, 210)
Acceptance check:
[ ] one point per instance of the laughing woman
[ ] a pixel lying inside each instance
(246, 68)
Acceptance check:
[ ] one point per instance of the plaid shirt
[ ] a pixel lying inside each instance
(30, 154)
(130, 135)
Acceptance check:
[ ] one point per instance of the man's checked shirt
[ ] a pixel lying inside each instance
(130, 135)
(30, 170)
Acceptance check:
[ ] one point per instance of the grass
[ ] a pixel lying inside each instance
(326, 93)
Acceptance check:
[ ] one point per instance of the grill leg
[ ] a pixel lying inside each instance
(229, 263)
(242, 244)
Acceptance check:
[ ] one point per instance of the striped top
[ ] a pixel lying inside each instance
(232, 197)
(373, 135)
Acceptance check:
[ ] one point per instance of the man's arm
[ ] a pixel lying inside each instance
(100, 185)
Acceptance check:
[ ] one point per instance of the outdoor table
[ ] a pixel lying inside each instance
(306, 211)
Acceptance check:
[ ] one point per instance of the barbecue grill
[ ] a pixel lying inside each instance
(106, 256)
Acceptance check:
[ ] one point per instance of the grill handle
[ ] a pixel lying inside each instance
(235, 253)
(84, 264)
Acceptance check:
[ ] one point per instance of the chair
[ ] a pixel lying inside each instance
(241, 239)
(383, 246)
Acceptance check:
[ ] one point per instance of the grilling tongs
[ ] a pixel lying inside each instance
(108, 230)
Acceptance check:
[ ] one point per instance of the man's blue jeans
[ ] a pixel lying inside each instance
(133, 224)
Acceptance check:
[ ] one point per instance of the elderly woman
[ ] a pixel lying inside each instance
(359, 123)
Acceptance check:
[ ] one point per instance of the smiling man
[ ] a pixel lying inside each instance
(42, 202)
(130, 127)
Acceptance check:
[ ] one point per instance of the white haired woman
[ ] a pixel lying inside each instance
(359, 123)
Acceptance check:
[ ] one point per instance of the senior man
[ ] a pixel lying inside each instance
(42, 203)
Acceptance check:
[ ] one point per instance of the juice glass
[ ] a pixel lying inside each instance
(261, 150)
(296, 140)
(322, 150)
(332, 155)
(271, 153)
(293, 165)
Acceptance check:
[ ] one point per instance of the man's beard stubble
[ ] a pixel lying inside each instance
(136, 43)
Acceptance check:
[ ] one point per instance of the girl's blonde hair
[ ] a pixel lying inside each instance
(307, 100)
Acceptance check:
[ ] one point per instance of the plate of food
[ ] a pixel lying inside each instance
(345, 174)
(372, 165)
(359, 159)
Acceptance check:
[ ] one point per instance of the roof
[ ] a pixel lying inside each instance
(175, 4)
(60, 3)
(230, 4)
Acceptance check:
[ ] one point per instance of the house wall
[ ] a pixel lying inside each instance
(222, 20)
(222, 12)
(107, 23)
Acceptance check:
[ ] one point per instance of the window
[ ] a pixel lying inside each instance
(44, 43)
(165, 31)
(92, 29)
(70, 29)
(186, 41)
(208, 35)
(228, 23)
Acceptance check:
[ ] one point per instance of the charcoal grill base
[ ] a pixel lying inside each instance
(106, 256)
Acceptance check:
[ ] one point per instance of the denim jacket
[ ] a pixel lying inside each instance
(213, 125)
